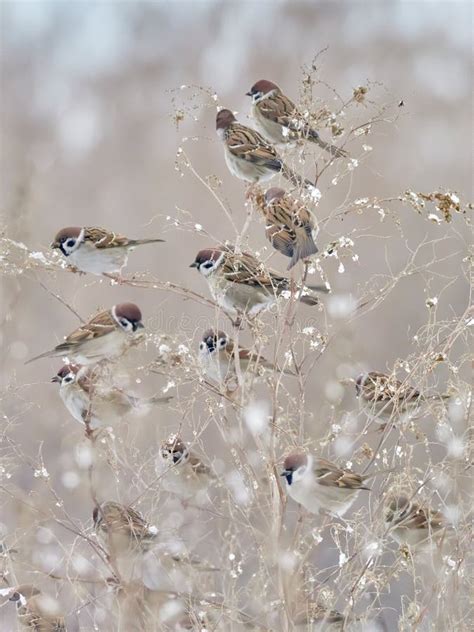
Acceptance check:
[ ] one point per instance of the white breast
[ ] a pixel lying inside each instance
(94, 260)
(77, 402)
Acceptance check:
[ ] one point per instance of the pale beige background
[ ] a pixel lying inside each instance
(89, 137)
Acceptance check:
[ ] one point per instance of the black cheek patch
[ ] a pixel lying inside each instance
(289, 478)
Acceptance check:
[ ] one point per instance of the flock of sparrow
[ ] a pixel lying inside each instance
(242, 287)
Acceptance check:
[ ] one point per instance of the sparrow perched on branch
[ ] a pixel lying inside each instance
(181, 471)
(410, 523)
(249, 156)
(37, 611)
(100, 404)
(217, 359)
(121, 528)
(383, 396)
(96, 250)
(239, 283)
(317, 484)
(290, 227)
(104, 337)
(279, 121)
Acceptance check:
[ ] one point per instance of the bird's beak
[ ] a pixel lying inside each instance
(285, 473)
(194, 264)
(56, 378)
(54, 244)
(140, 325)
(248, 94)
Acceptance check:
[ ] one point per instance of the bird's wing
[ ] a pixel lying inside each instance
(379, 387)
(247, 144)
(418, 518)
(280, 109)
(100, 325)
(137, 525)
(102, 238)
(244, 268)
(331, 475)
(282, 238)
(198, 466)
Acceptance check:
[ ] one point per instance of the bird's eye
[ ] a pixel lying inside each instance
(222, 342)
(68, 379)
(70, 243)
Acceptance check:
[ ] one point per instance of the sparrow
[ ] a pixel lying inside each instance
(181, 471)
(122, 529)
(278, 119)
(383, 396)
(239, 283)
(96, 250)
(317, 484)
(37, 611)
(106, 336)
(249, 156)
(86, 399)
(410, 523)
(290, 227)
(217, 359)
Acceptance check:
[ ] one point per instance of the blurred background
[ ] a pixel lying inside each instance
(97, 99)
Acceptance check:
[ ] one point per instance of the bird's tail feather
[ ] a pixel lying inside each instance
(295, 178)
(142, 242)
(145, 404)
(309, 294)
(304, 248)
(38, 357)
(331, 149)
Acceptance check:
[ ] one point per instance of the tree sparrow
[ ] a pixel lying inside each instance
(290, 227)
(96, 250)
(249, 156)
(37, 611)
(181, 472)
(279, 121)
(217, 359)
(100, 404)
(104, 337)
(122, 529)
(410, 523)
(317, 484)
(383, 396)
(239, 283)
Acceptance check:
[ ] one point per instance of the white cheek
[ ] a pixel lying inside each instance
(221, 133)
(298, 475)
